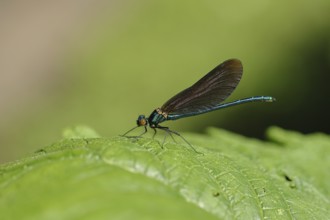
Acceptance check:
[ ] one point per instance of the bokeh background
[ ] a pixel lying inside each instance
(101, 63)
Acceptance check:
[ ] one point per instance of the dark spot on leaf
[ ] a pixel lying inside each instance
(216, 194)
(292, 185)
(287, 178)
(40, 151)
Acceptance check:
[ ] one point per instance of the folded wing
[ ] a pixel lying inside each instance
(209, 91)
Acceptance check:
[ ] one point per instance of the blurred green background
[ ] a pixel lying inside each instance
(102, 63)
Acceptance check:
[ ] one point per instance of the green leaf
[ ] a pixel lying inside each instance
(125, 178)
(80, 131)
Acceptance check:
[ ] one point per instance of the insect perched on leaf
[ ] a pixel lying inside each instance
(206, 95)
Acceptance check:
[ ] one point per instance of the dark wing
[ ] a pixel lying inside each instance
(209, 91)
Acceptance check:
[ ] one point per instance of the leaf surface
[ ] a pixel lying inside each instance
(122, 178)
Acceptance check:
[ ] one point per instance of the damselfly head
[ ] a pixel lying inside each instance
(142, 121)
